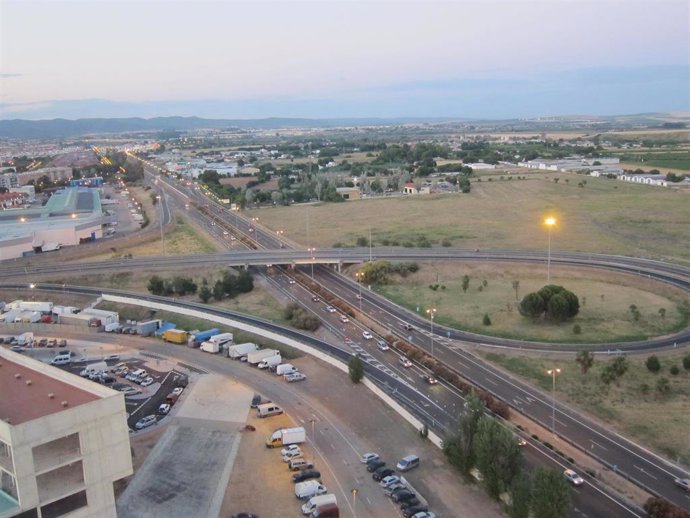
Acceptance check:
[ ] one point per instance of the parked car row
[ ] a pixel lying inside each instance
(40, 342)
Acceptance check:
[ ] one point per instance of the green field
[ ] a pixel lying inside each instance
(604, 216)
(605, 300)
(632, 407)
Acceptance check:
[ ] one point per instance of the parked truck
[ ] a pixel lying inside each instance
(28, 317)
(239, 350)
(285, 368)
(285, 437)
(112, 328)
(271, 362)
(25, 339)
(148, 328)
(221, 338)
(257, 356)
(64, 310)
(203, 336)
(210, 347)
(176, 336)
(9, 317)
(31, 305)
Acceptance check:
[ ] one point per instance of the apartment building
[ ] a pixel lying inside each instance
(64, 441)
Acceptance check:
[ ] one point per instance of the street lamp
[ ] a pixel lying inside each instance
(354, 501)
(360, 276)
(431, 312)
(313, 258)
(550, 222)
(553, 373)
(160, 202)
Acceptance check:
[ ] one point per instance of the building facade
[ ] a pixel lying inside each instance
(64, 441)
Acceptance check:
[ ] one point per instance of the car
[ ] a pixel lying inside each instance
(291, 448)
(382, 473)
(315, 299)
(373, 465)
(8, 339)
(292, 454)
(403, 495)
(145, 422)
(424, 514)
(225, 232)
(431, 380)
(106, 380)
(295, 376)
(344, 319)
(177, 391)
(409, 509)
(305, 475)
(389, 490)
(244, 515)
(358, 297)
(17, 348)
(405, 362)
(406, 326)
(120, 386)
(146, 382)
(367, 335)
(683, 482)
(348, 340)
(330, 309)
(62, 343)
(111, 358)
(164, 409)
(521, 441)
(130, 391)
(52, 342)
(389, 480)
(291, 281)
(368, 457)
(382, 345)
(573, 477)
(43, 342)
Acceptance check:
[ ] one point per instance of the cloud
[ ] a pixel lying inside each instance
(8, 76)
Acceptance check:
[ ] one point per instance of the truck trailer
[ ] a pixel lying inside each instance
(31, 305)
(203, 336)
(285, 437)
(257, 356)
(271, 362)
(220, 339)
(28, 317)
(239, 350)
(148, 328)
(210, 347)
(176, 336)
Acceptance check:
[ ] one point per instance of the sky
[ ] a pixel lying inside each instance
(329, 59)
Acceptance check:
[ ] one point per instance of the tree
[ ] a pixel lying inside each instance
(554, 302)
(585, 359)
(156, 285)
(498, 456)
(551, 495)
(486, 320)
(619, 365)
(653, 364)
(520, 496)
(662, 313)
(218, 290)
(465, 283)
(459, 446)
(249, 196)
(516, 287)
(356, 369)
(686, 362)
(532, 305)
(205, 293)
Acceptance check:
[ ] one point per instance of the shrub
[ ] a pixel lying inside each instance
(577, 329)
(686, 362)
(356, 369)
(486, 321)
(674, 370)
(653, 364)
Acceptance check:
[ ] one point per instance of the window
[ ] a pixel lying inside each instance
(64, 505)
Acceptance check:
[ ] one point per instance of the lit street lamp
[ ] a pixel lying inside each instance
(550, 222)
(553, 373)
(354, 501)
(431, 312)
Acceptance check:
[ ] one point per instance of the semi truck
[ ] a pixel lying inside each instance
(239, 350)
(148, 328)
(221, 338)
(271, 362)
(210, 347)
(28, 317)
(203, 336)
(176, 336)
(286, 437)
(257, 356)
(31, 305)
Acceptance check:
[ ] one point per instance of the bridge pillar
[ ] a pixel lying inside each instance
(340, 264)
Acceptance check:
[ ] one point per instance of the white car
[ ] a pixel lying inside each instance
(295, 376)
(164, 409)
(291, 281)
(292, 455)
(330, 309)
(145, 422)
(382, 345)
(573, 477)
(367, 335)
(291, 448)
(146, 382)
(178, 391)
(425, 514)
(368, 457)
(344, 319)
(405, 362)
(389, 480)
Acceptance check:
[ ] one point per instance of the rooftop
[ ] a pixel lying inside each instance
(30, 393)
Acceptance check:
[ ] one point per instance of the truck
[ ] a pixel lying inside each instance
(41, 307)
(64, 310)
(285, 368)
(271, 362)
(28, 317)
(239, 350)
(176, 336)
(50, 247)
(112, 328)
(317, 501)
(202, 336)
(210, 347)
(329, 510)
(257, 356)
(286, 437)
(148, 328)
(25, 339)
(221, 338)
(9, 317)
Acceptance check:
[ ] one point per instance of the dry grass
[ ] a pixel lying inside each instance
(605, 300)
(633, 407)
(605, 216)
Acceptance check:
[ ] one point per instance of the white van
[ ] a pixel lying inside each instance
(308, 489)
(285, 368)
(408, 463)
(268, 409)
(61, 359)
(316, 501)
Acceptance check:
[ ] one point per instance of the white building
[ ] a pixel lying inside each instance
(64, 441)
(658, 180)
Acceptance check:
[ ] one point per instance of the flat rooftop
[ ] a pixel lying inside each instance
(26, 393)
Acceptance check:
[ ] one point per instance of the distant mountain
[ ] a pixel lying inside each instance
(56, 128)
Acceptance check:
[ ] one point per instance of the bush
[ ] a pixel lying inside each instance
(674, 370)
(686, 363)
(486, 321)
(577, 329)
(356, 369)
(653, 364)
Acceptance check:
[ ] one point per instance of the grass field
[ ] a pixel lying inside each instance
(633, 407)
(605, 299)
(605, 216)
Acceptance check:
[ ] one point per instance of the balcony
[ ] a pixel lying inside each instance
(60, 482)
(54, 454)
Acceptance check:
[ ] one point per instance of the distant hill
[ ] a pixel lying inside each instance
(55, 128)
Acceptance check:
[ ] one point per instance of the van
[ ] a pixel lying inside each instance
(408, 463)
(61, 359)
(308, 489)
(326, 511)
(268, 409)
(317, 501)
(285, 368)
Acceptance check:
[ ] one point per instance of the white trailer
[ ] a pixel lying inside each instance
(64, 310)
(30, 305)
(239, 350)
(9, 317)
(257, 356)
(112, 328)
(285, 368)
(25, 339)
(285, 437)
(221, 339)
(270, 362)
(28, 317)
(210, 347)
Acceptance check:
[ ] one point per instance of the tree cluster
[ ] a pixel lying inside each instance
(659, 508)
(481, 443)
(552, 302)
(300, 318)
(379, 272)
(175, 286)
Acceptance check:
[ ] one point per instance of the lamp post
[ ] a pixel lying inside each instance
(359, 276)
(550, 222)
(313, 258)
(160, 203)
(553, 373)
(354, 501)
(431, 312)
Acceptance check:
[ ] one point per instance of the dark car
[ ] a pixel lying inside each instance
(244, 515)
(411, 510)
(374, 465)
(256, 400)
(403, 495)
(382, 473)
(305, 475)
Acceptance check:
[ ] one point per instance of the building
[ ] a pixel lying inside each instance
(71, 216)
(658, 180)
(349, 193)
(54, 174)
(64, 441)
(13, 200)
(9, 180)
